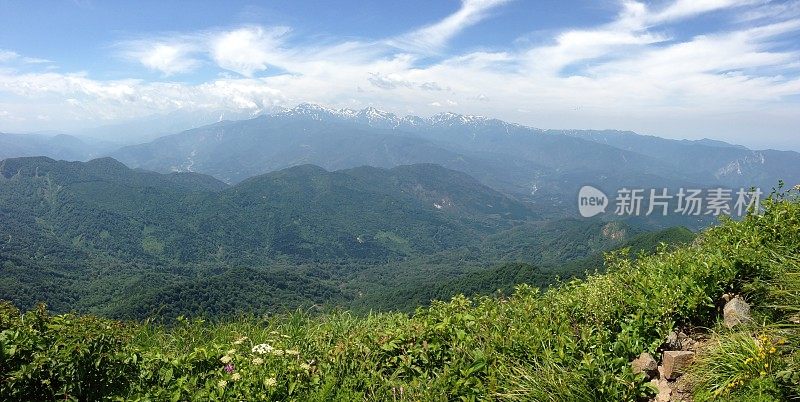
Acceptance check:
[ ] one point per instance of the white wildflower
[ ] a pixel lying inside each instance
(262, 348)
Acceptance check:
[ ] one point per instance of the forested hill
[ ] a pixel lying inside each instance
(97, 236)
(302, 212)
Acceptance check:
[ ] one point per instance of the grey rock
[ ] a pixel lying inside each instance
(736, 312)
(673, 342)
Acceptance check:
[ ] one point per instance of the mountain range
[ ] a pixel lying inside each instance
(509, 157)
(533, 164)
(311, 206)
(543, 167)
(99, 236)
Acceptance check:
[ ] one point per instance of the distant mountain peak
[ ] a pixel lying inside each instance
(455, 118)
(377, 118)
(315, 112)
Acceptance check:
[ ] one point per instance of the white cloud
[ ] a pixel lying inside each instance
(11, 56)
(688, 8)
(625, 74)
(7, 55)
(168, 58)
(433, 37)
(784, 9)
(247, 50)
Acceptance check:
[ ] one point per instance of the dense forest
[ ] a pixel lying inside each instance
(102, 238)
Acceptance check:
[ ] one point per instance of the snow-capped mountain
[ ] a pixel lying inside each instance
(508, 157)
(381, 119)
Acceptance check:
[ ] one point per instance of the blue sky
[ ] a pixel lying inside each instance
(726, 69)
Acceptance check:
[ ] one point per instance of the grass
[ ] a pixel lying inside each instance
(572, 342)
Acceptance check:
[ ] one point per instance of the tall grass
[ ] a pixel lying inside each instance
(760, 361)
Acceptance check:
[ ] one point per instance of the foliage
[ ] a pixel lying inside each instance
(502, 278)
(64, 357)
(738, 363)
(760, 362)
(570, 342)
(100, 238)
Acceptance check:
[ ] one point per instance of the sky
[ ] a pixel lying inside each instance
(723, 69)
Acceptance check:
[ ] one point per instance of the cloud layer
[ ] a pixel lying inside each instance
(631, 73)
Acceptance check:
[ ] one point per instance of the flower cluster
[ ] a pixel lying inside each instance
(757, 365)
(243, 368)
(766, 348)
(262, 349)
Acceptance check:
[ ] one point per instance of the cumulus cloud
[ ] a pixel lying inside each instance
(169, 58)
(247, 50)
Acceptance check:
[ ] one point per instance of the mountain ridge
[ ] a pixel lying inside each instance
(70, 231)
(545, 167)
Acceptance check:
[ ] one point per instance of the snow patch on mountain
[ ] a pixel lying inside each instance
(377, 118)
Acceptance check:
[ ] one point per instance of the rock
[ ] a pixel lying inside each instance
(664, 390)
(675, 363)
(646, 364)
(672, 342)
(688, 344)
(736, 312)
(682, 386)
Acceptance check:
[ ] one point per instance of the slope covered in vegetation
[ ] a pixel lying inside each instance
(572, 342)
(100, 238)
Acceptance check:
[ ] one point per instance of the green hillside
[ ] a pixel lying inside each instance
(101, 238)
(572, 342)
(504, 277)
